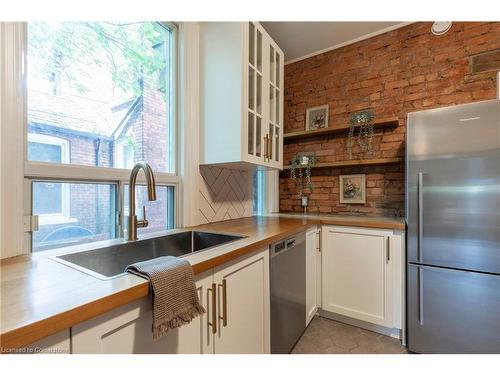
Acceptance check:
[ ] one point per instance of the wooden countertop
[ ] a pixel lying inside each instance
(40, 297)
(380, 222)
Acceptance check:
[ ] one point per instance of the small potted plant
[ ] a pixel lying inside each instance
(362, 121)
(301, 164)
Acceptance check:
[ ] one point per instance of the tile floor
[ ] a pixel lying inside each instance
(325, 336)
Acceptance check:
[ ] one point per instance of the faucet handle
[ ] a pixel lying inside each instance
(144, 222)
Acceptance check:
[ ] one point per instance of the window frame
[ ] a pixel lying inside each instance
(51, 140)
(28, 192)
(62, 217)
(37, 170)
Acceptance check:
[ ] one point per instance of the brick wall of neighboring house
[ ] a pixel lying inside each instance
(91, 204)
(401, 71)
(150, 131)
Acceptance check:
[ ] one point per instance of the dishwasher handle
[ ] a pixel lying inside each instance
(287, 244)
(283, 246)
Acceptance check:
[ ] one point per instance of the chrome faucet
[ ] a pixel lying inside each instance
(133, 223)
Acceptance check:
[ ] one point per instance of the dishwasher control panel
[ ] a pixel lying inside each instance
(276, 248)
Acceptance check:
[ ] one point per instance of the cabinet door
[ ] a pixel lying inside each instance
(58, 343)
(127, 330)
(254, 71)
(274, 130)
(244, 324)
(311, 250)
(318, 269)
(356, 274)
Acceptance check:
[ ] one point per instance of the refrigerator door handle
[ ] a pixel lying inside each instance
(421, 296)
(420, 224)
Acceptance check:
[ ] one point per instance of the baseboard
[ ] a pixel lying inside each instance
(392, 332)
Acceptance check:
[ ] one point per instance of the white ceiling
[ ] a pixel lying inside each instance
(303, 39)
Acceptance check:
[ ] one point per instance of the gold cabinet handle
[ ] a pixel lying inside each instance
(213, 324)
(265, 148)
(270, 147)
(224, 303)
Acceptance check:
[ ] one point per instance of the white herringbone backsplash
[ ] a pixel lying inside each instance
(224, 194)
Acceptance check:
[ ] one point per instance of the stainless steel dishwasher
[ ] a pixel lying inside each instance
(288, 293)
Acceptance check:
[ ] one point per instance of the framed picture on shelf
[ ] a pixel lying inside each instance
(352, 188)
(317, 117)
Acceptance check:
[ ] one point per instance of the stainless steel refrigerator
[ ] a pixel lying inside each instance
(453, 216)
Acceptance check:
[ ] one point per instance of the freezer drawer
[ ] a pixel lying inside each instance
(452, 311)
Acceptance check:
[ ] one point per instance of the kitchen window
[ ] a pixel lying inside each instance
(48, 148)
(88, 213)
(51, 204)
(102, 86)
(265, 192)
(100, 96)
(259, 192)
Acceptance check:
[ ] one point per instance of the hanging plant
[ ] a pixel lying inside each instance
(301, 165)
(364, 121)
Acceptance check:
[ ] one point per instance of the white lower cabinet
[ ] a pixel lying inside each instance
(362, 274)
(58, 343)
(312, 248)
(244, 326)
(127, 329)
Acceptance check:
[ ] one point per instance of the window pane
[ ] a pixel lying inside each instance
(52, 194)
(72, 213)
(159, 213)
(259, 192)
(98, 84)
(44, 152)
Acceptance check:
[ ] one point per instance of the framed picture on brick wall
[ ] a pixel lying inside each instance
(352, 188)
(317, 117)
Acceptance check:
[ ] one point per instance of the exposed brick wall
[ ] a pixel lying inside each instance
(401, 71)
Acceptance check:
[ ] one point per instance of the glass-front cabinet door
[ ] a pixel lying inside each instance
(264, 77)
(255, 147)
(241, 71)
(275, 121)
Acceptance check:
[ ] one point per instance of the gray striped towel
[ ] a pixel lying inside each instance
(175, 299)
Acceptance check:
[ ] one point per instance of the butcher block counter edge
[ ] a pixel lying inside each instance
(378, 222)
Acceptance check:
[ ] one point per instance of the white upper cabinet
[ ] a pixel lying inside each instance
(241, 88)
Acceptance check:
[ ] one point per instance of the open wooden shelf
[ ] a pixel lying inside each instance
(355, 162)
(380, 123)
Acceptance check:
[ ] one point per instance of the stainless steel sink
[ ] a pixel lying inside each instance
(109, 262)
